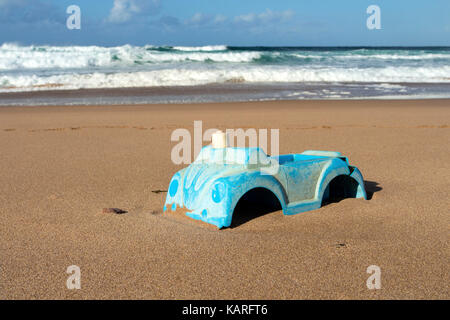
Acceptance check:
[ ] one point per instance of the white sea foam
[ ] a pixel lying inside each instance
(13, 57)
(199, 76)
(422, 56)
(203, 48)
(25, 68)
(417, 56)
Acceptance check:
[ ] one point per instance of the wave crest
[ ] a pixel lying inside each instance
(26, 68)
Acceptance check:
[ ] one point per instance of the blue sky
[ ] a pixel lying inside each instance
(230, 22)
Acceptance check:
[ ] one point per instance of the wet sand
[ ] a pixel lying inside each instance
(60, 166)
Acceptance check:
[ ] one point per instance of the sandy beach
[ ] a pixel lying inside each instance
(60, 166)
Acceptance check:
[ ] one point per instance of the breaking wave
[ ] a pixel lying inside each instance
(27, 68)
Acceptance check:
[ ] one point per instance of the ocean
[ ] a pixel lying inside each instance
(46, 75)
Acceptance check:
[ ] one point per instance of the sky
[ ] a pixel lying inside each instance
(226, 22)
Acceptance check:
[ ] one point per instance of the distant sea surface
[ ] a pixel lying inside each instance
(46, 75)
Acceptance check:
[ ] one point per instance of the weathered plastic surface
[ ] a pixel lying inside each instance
(212, 185)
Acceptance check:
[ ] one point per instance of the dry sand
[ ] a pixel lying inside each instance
(60, 166)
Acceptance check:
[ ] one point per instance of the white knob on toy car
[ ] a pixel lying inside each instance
(219, 140)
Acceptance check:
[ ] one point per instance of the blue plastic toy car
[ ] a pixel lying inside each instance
(210, 188)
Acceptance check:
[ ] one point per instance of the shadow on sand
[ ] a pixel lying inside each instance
(371, 188)
(341, 193)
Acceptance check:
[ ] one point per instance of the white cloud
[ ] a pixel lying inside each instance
(265, 17)
(201, 19)
(245, 18)
(124, 10)
(220, 18)
(252, 20)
